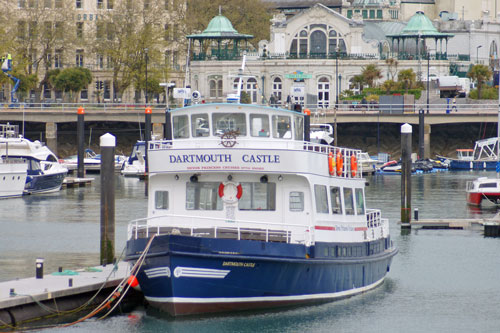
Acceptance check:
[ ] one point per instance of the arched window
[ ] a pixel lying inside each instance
(323, 92)
(318, 44)
(215, 85)
(251, 89)
(277, 90)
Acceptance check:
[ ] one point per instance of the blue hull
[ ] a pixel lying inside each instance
(188, 275)
(44, 183)
(473, 165)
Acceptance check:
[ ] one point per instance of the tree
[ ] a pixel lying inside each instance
(389, 85)
(371, 73)
(392, 62)
(480, 74)
(359, 80)
(407, 79)
(72, 80)
(247, 17)
(125, 35)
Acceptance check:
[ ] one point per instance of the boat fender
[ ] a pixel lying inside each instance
(230, 192)
(354, 165)
(331, 164)
(339, 162)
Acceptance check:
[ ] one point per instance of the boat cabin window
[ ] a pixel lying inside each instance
(360, 202)
(181, 127)
(161, 199)
(348, 201)
(258, 196)
(229, 122)
(259, 125)
(299, 128)
(282, 127)
(321, 197)
(203, 196)
(488, 185)
(296, 201)
(199, 125)
(336, 200)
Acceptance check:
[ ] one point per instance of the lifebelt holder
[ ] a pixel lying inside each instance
(230, 192)
(339, 162)
(331, 164)
(354, 165)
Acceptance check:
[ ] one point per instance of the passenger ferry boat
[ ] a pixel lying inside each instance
(244, 212)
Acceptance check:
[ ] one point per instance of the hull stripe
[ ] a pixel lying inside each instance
(310, 297)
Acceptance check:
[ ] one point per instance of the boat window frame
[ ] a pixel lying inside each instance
(300, 202)
(196, 202)
(339, 201)
(351, 210)
(275, 120)
(265, 129)
(252, 187)
(324, 208)
(183, 128)
(160, 195)
(240, 130)
(195, 128)
(359, 204)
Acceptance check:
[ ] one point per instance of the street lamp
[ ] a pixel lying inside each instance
(146, 54)
(477, 53)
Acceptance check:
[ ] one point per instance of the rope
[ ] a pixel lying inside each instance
(106, 303)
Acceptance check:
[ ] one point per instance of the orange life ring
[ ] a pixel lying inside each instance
(354, 165)
(340, 163)
(331, 164)
(239, 190)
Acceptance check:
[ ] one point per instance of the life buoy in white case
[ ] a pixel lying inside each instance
(230, 192)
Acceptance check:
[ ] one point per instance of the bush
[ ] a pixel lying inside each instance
(486, 93)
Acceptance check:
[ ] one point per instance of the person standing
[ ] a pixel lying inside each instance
(454, 104)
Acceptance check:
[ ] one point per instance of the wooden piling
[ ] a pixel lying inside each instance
(108, 143)
(406, 131)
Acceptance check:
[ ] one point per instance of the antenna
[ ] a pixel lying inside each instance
(220, 10)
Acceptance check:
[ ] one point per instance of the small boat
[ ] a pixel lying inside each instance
(12, 177)
(482, 157)
(322, 133)
(254, 217)
(135, 164)
(91, 161)
(483, 188)
(44, 173)
(368, 164)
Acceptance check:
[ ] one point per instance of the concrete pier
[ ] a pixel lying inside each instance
(51, 136)
(27, 301)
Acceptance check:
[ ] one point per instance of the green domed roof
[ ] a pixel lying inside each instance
(220, 28)
(219, 24)
(419, 24)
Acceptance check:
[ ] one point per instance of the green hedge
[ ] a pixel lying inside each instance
(379, 92)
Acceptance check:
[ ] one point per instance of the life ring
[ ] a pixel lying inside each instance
(230, 192)
(354, 165)
(331, 164)
(339, 162)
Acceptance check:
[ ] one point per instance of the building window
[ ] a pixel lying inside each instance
(147, 4)
(79, 58)
(99, 30)
(48, 60)
(59, 28)
(111, 4)
(58, 4)
(84, 94)
(78, 4)
(251, 89)
(215, 88)
(58, 59)
(107, 90)
(372, 13)
(46, 91)
(21, 3)
(167, 4)
(47, 3)
(277, 90)
(323, 93)
(100, 4)
(318, 44)
(349, 13)
(365, 13)
(21, 30)
(79, 30)
(321, 198)
(100, 61)
(379, 14)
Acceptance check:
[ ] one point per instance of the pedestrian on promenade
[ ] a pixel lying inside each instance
(454, 104)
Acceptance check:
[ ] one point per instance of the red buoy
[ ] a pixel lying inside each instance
(132, 281)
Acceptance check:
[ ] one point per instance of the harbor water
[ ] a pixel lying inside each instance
(441, 280)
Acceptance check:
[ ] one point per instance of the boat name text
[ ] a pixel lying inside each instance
(238, 264)
(223, 158)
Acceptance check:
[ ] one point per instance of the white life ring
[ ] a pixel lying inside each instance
(230, 192)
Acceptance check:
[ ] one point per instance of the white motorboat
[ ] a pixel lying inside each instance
(135, 165)
(44, 173)
(91, 161)
(12, 177)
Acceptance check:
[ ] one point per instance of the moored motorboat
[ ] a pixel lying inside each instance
(44, 173)
(12, 177)
(483, 188)
(482, 157)
(91, 161)
(135, 164)
(251, 215)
